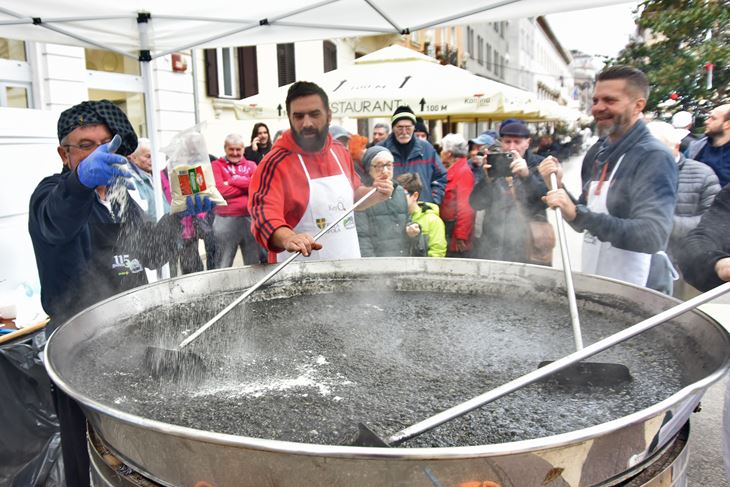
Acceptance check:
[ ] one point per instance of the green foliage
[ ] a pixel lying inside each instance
(680, 37)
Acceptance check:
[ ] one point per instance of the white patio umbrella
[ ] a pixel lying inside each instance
(375, 84)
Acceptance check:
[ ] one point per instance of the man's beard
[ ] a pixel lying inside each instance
(615, 129)
(712, 133)
(311, 144)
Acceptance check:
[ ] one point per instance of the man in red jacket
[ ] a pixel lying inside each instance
(232, 224)
(307, 182)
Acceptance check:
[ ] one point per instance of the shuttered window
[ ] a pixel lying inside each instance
(329, 53)
(231, 72)
(285, 63)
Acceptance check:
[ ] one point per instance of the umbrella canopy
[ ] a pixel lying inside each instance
(376, 84)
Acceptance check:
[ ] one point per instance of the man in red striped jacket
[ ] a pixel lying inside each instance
(307, 181)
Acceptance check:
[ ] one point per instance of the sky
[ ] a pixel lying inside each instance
(602, 31)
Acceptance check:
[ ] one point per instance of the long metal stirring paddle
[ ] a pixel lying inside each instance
(582, 373)
(158, 358)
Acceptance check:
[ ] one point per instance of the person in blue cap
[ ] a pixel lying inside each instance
(478, 149)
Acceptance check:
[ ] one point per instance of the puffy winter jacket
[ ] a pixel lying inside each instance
(432, 227)
(697, 187)
(424, 160)
(381, 229)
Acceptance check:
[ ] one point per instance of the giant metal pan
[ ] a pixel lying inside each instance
(598, 455)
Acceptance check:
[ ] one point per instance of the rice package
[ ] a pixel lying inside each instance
(190, 170)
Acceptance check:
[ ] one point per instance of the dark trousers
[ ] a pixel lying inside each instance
(73, 439)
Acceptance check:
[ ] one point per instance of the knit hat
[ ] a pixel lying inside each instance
(682, 120)
(403, 112)
(370, 154)
(421, 126)
(514, 128)
(101, 112)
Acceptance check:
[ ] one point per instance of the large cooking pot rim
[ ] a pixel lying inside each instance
(679, 399)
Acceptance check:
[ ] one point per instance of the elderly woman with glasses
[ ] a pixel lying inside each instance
(385, 230)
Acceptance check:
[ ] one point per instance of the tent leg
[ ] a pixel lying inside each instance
(150, 111)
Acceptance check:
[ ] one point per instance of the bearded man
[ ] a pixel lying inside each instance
(629, 183)
(307, 181)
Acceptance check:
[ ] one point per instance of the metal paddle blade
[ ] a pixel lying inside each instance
(165, 362)
(590, 374)
(367, 437)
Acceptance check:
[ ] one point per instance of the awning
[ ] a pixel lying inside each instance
(376, 84)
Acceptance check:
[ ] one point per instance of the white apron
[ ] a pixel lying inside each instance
(329, 198)
(604, 259)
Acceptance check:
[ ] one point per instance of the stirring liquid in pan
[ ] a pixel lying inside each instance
(308, 368)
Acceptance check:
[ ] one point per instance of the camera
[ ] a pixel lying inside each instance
(500, 162)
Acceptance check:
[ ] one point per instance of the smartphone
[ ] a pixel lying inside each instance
(500, 162)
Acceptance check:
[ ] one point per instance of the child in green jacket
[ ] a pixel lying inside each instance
(425, 214)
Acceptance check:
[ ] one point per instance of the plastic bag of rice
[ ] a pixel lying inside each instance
(189, 169)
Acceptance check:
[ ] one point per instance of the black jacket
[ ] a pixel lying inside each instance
(505, 232)
(84, 251)
(706, 244)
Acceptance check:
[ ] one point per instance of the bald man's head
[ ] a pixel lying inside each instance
(717, 125)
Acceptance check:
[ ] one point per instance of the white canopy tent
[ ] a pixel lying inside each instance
(379, 82)
(145, 29)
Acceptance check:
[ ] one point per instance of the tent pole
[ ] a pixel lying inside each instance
(196, 94)
(145, 61)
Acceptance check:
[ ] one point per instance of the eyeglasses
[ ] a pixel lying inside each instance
(383, 167)
(404, 128)
(87, 145)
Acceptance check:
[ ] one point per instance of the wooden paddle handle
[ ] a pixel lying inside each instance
(23, 331)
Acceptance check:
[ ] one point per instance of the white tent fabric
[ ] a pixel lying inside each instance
(381, 81)
(175, 25)
(147, 29)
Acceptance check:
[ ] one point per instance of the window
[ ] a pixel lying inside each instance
(480, 48)
(12, 50)
(17, 80)
(111, 62)
(14, 96)
(329, 53)
(489, 57)
(470, 42)
(231, 72)
(496, 62)
(228, 82)
(285, 63)
(129, 102)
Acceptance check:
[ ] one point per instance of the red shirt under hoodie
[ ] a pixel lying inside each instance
(279, 191)
(455, 205)
(232, 181)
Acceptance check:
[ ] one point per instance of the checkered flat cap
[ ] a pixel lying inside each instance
(101, 112)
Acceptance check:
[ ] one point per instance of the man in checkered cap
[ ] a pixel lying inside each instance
(91, 240)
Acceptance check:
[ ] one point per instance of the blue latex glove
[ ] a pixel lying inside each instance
(196, 206)
(102, 166)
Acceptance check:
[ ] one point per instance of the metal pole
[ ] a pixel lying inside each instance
(196, 94)
(150, 107)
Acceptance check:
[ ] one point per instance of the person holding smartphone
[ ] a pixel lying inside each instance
(510, 193)
(260, 143)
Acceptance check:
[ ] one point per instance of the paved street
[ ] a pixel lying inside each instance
(706, 468)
